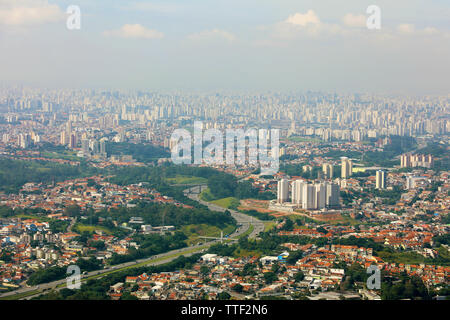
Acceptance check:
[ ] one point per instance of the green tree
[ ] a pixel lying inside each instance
(288, 225)
(223, 296)
(128, 296)
(299, 276)
(204, 270)
(293, 257)
(270, 277)
(72, 211)
(238, 288)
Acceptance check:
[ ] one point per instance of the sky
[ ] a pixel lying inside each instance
(268, 45)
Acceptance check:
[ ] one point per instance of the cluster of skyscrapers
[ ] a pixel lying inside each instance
(93, 148)
(68, 137)
(416, 160)
(309, 196)
(25, 140)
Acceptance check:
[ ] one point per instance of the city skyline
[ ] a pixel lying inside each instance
(225, 150)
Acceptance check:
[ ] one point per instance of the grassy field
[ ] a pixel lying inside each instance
(402, 257)
(246, 253)
(269, 225)
(29, 216)
(80, 228)
(303, 139)
(195, 231)
(206, 195)
(409, 257)
(229, 202)
(66, 155)
(180, 179)
(347, 221)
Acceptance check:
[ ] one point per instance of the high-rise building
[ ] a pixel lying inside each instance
(404, 161)
(5, 138)
(85, 147)
(69, 127)
(380, 179)
(297, 191)
(24, 140)
(96, 147)
(313, 196)
(308, 197)
(103, 147)
(35, 137)
(327, 169)
(63, 138)
(332, 198)
(416, 160)
(320, 195)
(73, 141)
(283, 190)
(346, 168)
(409, 183)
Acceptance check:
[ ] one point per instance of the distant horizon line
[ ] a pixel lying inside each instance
(4, 86)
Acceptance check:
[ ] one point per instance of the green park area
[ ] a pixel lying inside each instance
(64, 154)
(34, 217)
(80, 228)
(304, 139)
(228, 203)
(186, 180)
(193, 232)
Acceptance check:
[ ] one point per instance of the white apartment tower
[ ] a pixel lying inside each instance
(283, 191)
(308, 197)
(332, 199)
(63, 138)
(320, 196)
(297, 191)
(346, 168)
(327, 170)
(380, 180)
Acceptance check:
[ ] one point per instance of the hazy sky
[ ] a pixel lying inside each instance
(228, 44)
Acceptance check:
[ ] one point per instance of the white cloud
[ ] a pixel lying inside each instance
(136, 31)
(430, 31)
(354, 21)
(305, 24)
(29, 12)
(308, 25)
(409, 29)
(406, 28)
(212, 34)
(303, 20)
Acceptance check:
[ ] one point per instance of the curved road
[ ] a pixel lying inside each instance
(244, 222)
(242, 219)
(146, 261)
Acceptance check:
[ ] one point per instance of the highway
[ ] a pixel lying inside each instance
(243, 221)
(170, 255)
